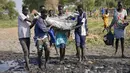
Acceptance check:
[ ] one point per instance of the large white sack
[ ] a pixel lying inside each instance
(61, 22)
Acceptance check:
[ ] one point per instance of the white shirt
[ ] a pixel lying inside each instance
(23, 26)
(83, 29)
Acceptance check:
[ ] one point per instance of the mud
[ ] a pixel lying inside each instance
(100, 59)
(14, 63)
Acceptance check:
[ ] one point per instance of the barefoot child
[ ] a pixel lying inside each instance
(80, 33)
(41, 38)
(105, 19)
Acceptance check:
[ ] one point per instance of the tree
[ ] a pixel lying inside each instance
(64, 2)
(105, 3)
(126, 3)
(89, 5)
(51, 4)
(33, 4)
(110, 3)
(9, 7)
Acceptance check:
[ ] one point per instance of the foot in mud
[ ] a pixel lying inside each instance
(79, 59)
(123, 56)
(27, 68)
(83, 58)
(115, 52)
(62, 62)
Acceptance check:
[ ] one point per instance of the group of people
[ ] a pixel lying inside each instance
(45, 35)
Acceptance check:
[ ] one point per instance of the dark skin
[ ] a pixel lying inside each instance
(51, 15)
(25, 12)
(47, 51)
(119, 9)
(106, 12)
(62, 49)
(80, 52)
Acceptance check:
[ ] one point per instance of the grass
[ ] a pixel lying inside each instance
(95, 38)
(8, 23)
(95, 27)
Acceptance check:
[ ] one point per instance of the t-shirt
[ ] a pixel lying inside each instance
(83, 29)
(119, 17)
(23, 26)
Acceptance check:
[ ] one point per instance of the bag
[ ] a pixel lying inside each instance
(109, 38)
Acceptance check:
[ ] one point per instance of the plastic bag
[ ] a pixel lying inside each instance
(109, 38)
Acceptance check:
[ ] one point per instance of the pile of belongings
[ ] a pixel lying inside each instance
(109, 38)
(65, 22)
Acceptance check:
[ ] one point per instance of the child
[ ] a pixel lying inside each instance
(41, 37)
(52, 33)
(119, 24)
(24, 26)
(61, 37)
(81, 33)
(105, 19)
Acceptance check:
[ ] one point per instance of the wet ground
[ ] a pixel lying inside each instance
(100, 59)
(14, 63)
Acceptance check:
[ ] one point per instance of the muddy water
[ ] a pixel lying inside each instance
(14, 63)
(69, 66)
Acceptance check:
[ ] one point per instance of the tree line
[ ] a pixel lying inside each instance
(7, 7)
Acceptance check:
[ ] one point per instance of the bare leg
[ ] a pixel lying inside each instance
(56, 50)
(40, 58)
(78, 53)
(116, 43)
(122, 46)
(47, 51)
(25, 48)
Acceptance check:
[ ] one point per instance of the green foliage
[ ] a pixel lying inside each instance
(89, 4)
(9, 6)
(8, 23)
(12, 12)
(126, 3)
(33, 4)
(64, 2)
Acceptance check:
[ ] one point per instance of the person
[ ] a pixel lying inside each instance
(52, 34)
(61, 39)
(119, 24)
(102, 11)
(41, 37)
(50, 12)
(60, 9)
(24, 26)
(80, 33)
(105, 19)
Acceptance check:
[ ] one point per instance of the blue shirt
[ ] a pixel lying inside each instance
(40, 29)
(103, 11)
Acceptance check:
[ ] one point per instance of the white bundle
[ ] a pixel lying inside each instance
(61, 22)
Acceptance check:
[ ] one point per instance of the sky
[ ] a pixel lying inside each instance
(18, 5)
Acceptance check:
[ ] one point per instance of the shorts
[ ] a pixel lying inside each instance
(80, 40)
(42, 44)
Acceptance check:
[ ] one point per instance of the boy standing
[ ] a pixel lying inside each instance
(24, 25)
